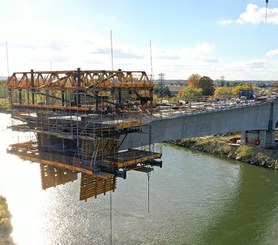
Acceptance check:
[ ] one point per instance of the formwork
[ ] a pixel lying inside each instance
(78, 118)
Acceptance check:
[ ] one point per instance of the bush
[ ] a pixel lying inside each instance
(5, 220)
(244, 152)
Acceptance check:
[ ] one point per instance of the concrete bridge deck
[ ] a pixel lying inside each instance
(259, 117)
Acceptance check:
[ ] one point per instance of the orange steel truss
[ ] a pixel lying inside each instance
(78, 90)
(79, 80)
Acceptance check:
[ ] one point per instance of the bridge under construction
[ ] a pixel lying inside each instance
(103, 123)
(81, 119)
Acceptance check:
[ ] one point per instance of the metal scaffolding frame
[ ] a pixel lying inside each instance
(78, 118)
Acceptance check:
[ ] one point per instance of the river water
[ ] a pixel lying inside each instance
(194, 199)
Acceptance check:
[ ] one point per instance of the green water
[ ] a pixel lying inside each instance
(194, 199)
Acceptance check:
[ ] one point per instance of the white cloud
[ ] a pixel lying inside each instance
(167, 54)
(248, 65)
(225, 22)
(273, 52)
(120, 53)
(211, 60)
(40, 46)
(202, 49)
(254, 15)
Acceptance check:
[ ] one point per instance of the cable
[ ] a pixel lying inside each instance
(148, 174)
(111, 225)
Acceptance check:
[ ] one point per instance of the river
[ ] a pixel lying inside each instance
(195, 198)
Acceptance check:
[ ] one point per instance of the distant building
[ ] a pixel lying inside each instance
(248, 93)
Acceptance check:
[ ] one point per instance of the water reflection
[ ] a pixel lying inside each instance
(194, 199)
(90, 185)
(52, 176)
(58, 168)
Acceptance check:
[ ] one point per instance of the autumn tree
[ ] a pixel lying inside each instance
(190, 93)
(236, 89)
(193, 81)
(206, 84)
(222, 93)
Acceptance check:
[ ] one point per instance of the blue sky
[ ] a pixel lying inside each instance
(213, 38)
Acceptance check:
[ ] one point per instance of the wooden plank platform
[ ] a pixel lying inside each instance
(130, 157)
(28, 151)
(51, 107)
(127, 160)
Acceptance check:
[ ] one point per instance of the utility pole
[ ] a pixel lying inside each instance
(161, 83)
(7, 53)
(151, 57)
(111, 40)
(266, 5)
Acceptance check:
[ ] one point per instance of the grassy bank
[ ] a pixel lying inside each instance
(5, 223)
(220, 146)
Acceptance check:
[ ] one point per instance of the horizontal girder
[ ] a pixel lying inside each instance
(76, 80)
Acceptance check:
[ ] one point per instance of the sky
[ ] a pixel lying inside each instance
(228, 38)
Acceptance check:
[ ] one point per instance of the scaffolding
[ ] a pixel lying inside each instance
(78, 118)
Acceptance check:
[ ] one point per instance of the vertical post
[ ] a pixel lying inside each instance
(266, 5)
(10, 93)
(7, 54)
(150, 136)
(20, 96)
(78, 101)
(47, 97)
(120, 97)
(32, 87)
(243, 138)
(97, 102)
(148, 174)
(151, 57)
(111, 219)
(63, 98)
(151, 100)
(112, 62)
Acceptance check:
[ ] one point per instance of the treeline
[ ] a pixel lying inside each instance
(3, 95)
(3, 90)
(199, 87)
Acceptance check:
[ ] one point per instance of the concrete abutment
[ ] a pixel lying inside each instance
(263, 138)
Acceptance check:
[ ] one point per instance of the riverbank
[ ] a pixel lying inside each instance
(221, 146)
(5, 223)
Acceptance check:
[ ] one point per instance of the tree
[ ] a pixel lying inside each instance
(237, 88)
(193, 81)
(206, 84)
(222, 93)
(162, 91)
(190, 93)
(3, 90)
